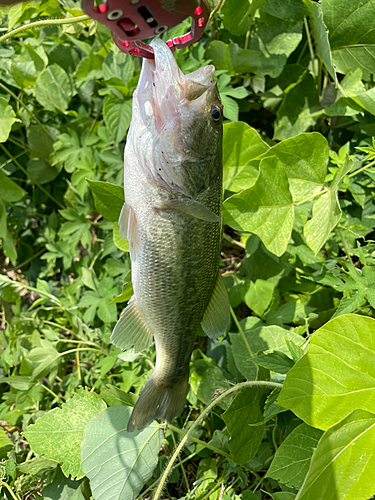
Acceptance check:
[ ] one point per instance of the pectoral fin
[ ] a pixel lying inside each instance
(217, 316)
(131, 330)
(191, 207)
(123, 221)
(128, 229)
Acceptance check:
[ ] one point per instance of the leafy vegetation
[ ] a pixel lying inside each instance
(282, 406)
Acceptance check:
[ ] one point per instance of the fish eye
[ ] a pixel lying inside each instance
(215, 114)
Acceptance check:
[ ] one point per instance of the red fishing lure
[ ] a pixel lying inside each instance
(134, 20)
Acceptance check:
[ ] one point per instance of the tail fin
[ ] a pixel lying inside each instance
(158, 401)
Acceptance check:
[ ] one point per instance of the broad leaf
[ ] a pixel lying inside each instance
(266, 338)
(266, 209)
(236, 16)
(292, 459)
(241, 144)
(258, 296)
(7, 118)
(117, 116)
(351, 33)
(335, 375)
(326, 212)
(53, 88)
(288, 10)
(343, 464)
(58, 434)
(304, 158)
(294, 114)
(109, 199)
(9, 190)
(323, 48)
(244, 419)
(118, 463)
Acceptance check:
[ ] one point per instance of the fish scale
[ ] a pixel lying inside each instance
(171, 216)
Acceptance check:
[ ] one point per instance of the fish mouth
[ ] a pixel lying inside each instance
(165, 95)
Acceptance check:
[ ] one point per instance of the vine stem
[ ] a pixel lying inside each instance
(23, 169)
(10, 490)
(205, 412)
(241, 332)
(371, 164)
(39, 24)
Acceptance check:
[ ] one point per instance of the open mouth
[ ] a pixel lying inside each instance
(163, 90)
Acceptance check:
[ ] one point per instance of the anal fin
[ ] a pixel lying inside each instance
(191, 207)
(217, 315)
(131, 330)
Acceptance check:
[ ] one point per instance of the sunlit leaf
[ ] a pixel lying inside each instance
(118, 463)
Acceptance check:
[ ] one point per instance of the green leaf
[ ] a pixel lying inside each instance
(266, 209)
(116, 397)
(335, 375)
(275, 361)
(326, 212)
(9, 190)
(108, 198)
(4, 439)
(118, 241)
(241, 143)
(288, 10)
(305, 159)
(293, 116)
(3, 220)
(40, 143)
(236, 16)
(244, 419)
(90, 68)
(117, 116)
(44, 358)
(323, 48)
(58, 434)
(7, 118)
(343, 464)
(292, 459)
(116, 460)
(67, 150)
(118, 65)
(53, 88)
(235, 60)
(258, 296)
(351, 34)
(36, 465)
(40, 171)
(266, 338)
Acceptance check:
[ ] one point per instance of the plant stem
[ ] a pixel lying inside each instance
(371, 164)
(199, 441)
(311, 197)
(10, 491)
(40, 24)
(23, 169)
(70, 351)
(78, 366)
(4, 87)
(51, 392)
(241, 332)
(205, 412)
(311, 49)
(29, 259)
(181, 465)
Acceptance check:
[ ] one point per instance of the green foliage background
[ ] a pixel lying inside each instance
(293, 377)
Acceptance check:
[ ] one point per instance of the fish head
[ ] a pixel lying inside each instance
(183, 116)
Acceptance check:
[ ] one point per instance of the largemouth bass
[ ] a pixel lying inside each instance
(171, 217)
